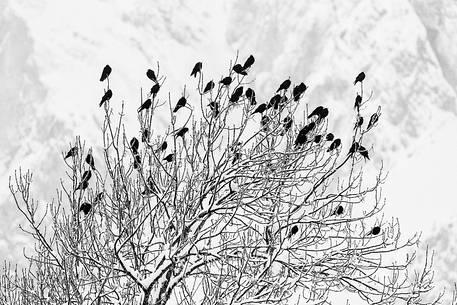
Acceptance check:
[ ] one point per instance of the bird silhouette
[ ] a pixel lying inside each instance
(293, 231)
(316, 111)
(308, 128)
(335, 144)
(284, 85)
(151, 75)
(181, 103)
(90, 160)
(329, 137)
(136, 161)
(82, 185)
(145, 135)
(363, 152)
(265, 120)
(358, 102)
(164, 146)
(197, 69)
(375, 231)
(338, 211)
(359, 122)
(85, 208)
(323, 114)
(317, 138)
(154, 90)
(209, 86)
(106, 97)
(354, 148)
(182, 132)
(274, 101)
(105, 73)
(301, 139)
(169, 158)
(134, 144)
(146, 105)
(72, 152)
(298, 91)
(249, 62)
(287, 123)
(374, 118)
(239, 69)
(359, 78)
(236, 157)
(236, 94)
(86, 175)
(260, 109)
(226, 81)
(250, 94)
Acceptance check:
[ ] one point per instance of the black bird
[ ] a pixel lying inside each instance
(164, 146)
(358, 102)
(354, 148)
(146, 105)
(359, 78)
(329, 137)
(274, 101)
(105, 73)
(375, 231)
(287, 123)
(301, 139)
(182, 132)
(250, 94)
(335, 144)
(307, 128)
(359, 122)
(364, 152)
(181, 103)
(82, 185)
(106, 97)
(374, 118)
(85, 208)
(169, 158)
(236, 94)
(209, 86)
(226, 81)
(154, 90)
(90, 161)
(134, 144)
(293, 231)
(317, 138)
(298, 91)
(316, 111)
(339, 210)
(151, 75)
(239, 69)
(136, 161)
(145, 135)
(86, 176)
(260, 109)
(265, 120)
(285, 85)
(197, 68)
(72, 152)
(249, 62)
(323, 114)
(236, 157)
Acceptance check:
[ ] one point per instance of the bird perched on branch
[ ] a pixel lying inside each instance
(73, 152)
(197, 69)
(335, 144)
(274, 101)
(375, 231)
(209, 86)
(250, 94)
(374, 118)
(151, 75)
(260, 109)
(85, 208)
(136, 161)
(182, 132)
(236, 94)
(90, 160)
(145, 135)
(134, 144)
(298, 91)
(317, 138)
(164, 146)
(287, 123)
(249, 62)
(181, 103)
(154, 90)
(358, 102)
(105, 73)
(338, 211)
(146, 105)
(284, 85)
(293, 231)
(239, 69)
(359, 78)
(320, 111)
(86, 176)
(363, 152)
(354, 148)
(106, 97)
(226, 81)
(359, 122)
(329, 137)
(169, 158)
(82, 185)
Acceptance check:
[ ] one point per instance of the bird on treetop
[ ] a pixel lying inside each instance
(359, 78)
(284, 85)
(209, 86)
(72, 152)
(197, 69)
(105, 73)
(239, 69)
(106, 97)
(249, 62)
(181, 103)
(146, 105)
(151, 75)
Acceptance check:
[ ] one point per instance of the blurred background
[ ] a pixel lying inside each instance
(52, 53)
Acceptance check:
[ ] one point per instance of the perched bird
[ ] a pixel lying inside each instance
(335, 144)
(317, 138)
(359, 78)
(237, 93)
(209, 86)
(339, 210)
(239, 69)
(308, 128)
(169, 158)
(274, 101)
(136, 161)
(265, 120)
(293, 231)
(154, 90)
(374, 118)
(105, 73)
(260, 109)
(164, 146)
(106, 97)
(146, 105)
(249, 62)
(151, 75)
(358, 102)
(197, 68)
(86, 175)
(364, 152)
(250, 94)
(359, 122)
(236, 157)
(329, 137)
(82, 185)
(226, 81)
(284, 85)
(301, 139)
(316, 111)
(323, 114)
(354, 148)
(90, 161)
(134, 144)
(298, 91)
(85, 208)
(145, 135)
(375, 231)
(182, 132)
(72, 152)
(287, 123)
(181, 103)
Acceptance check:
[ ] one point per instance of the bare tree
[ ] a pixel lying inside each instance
(218, 210)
